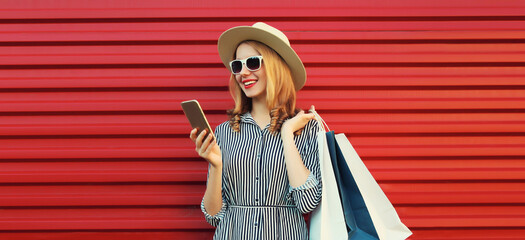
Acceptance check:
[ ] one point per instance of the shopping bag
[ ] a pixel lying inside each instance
(384, 216)
(327, 221)
(385, 220)
(357, 216)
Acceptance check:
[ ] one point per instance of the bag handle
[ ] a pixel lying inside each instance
(320, 120)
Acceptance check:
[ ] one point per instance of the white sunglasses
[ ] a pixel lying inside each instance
(252, 63)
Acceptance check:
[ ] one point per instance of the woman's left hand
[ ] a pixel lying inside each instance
(298, 122)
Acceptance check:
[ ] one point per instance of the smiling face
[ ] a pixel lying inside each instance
(253, 84)
(273, 85)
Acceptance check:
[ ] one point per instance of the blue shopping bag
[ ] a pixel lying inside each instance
(358, 221)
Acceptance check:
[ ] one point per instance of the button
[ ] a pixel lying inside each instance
(257, 178)
(256, 224)
(256, 199)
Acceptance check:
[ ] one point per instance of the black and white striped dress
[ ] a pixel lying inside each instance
(258, 201)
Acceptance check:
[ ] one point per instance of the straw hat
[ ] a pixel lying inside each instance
(272, 37)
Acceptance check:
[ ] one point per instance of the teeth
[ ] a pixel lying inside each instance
(249, 83)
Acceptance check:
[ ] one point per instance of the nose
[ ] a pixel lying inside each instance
(245, 71)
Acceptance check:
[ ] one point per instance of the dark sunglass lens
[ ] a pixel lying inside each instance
(236, 66)
(253, 63)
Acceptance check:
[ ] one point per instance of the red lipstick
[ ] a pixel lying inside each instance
(249, 80)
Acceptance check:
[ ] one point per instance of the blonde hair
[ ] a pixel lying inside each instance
(280, 91)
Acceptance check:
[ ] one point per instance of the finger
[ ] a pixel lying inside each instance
(212, 135)
(312, 108)
(209, 138)
(209, 143)
(209, 148)
(309, 116)
(200, 138)
(202, 134)
(204, 145)
(193, 134)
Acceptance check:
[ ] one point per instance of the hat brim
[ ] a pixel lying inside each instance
(230, 40)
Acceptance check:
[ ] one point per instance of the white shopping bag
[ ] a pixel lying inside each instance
(327, 221)
(385, 218)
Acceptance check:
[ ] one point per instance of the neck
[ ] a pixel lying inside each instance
(259, 107)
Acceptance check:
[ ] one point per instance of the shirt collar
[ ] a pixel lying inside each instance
(247, 118)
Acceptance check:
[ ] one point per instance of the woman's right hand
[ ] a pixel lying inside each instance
(207, 148)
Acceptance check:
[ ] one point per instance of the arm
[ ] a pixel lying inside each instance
(212, 199)
(297, 171)
(212, 205)
(303, 168)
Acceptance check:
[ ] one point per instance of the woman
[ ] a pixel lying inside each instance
(263, 163)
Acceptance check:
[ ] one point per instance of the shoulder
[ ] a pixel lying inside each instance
(312, 126)
(221, 132)
(221, 128)
(310, 130)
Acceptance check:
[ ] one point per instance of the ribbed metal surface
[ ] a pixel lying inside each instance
(94, 145)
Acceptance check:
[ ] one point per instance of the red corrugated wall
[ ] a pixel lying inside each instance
(94, 145)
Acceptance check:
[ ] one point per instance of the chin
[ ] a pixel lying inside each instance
(253, 95)
(252, 92)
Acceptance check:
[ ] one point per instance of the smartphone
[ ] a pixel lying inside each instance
(193, 111)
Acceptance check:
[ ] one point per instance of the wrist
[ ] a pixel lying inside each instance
(217, 167)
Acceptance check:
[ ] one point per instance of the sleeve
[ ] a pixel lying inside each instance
(308, 195)
(215, 219)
